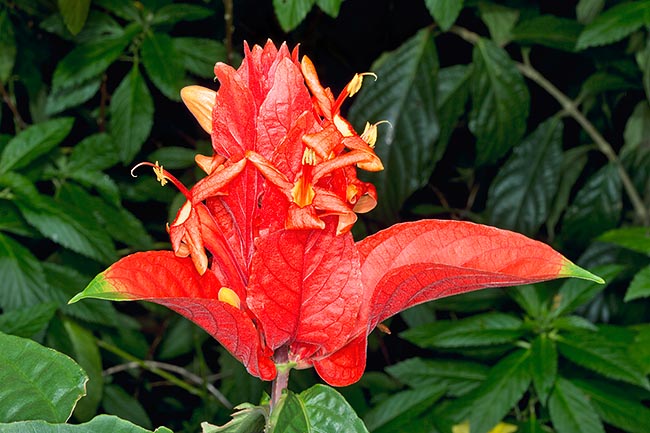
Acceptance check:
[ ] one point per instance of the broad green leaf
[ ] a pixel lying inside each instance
(131, 112)
(397, 405)
(199, 55)
(247, 419)
(598, 353)
(175, 12)
(543, 365)
(290, 13)
(639, 286)
(521, 195)
(548, 30)
(34, 142)
(573, 323)
(644, 62)
(7, 46)
(601, 82)
(596, 208)
(573, 293)
(500, 102)
(104, 184)
(458, 377)
(126, 9)
(173, 157)
(74, 13)
(94, 153)
(499, 20)
(118, 402)
(404, 94)
(531, 298)
(163, 65)
(330, 7)
(37, 382)
(639, 350)
(21, 274)
(571, 411)
(587, 10)
(453, 92)
(615, 23)
(445, 12)
(89, 60)
(64, 97)
(99, 424)
(26, 322)
(289, 416)
(637, 127)
(633, 238)
(328, 412)
(616, 406)
(180, 338)
(479, 330)
(11, 221)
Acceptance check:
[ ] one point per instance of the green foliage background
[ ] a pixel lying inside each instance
(530, 116)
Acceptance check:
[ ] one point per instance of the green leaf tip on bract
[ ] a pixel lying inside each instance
(100, 288)
(570, 269)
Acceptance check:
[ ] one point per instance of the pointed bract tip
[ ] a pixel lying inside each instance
(570, 269)
(99, 288)
(200, 101)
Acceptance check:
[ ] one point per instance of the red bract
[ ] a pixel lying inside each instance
(263, 258)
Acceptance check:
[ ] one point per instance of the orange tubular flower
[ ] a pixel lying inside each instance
(263, 258)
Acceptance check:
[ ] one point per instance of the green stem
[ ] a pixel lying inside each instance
(281, 381)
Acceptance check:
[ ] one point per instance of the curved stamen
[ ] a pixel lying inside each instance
(163, 176)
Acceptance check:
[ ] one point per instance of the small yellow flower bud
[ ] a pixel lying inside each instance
(229, 297)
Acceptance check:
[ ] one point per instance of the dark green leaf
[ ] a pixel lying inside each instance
(573, 323)
(499, 20)
(27, 321)
(163, 65)
(181, 338)
(199, 55)
(479, 330)
(7, 46)
(573, 292)
(530, 298)
(330, 7)
(289, 416)
(89, 60)
(445, 12)
(105, 185)
(174, 157)
(521, 195)
(402, 402)
(596, 208)
(598, 353)
(548, 30)
(639, 350)
(120, 403)
(543, 365)
(99, 424)
(131, 113)
(500, 102)
(23, 280)
(290, 13)
(11, 221)
(247, 419)
(639, 286)
(74, 13)
(571, 411)
(126, 9)
(616, 406)
(328, 412)
(173, 13)
(600, 82)
(37, 382)
(94, 153)
(64, 97)
(453, 92)
(632, 238)
(34, 142)
(615, 23)
(405, 96)
(587, 10)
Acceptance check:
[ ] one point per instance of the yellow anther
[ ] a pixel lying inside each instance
(160, 174)
(309, 157)
(355, 83)
(369, 134)
(229, 297)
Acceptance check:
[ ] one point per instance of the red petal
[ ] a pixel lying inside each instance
(345, 366)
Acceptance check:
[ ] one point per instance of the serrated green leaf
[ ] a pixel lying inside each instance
(639, 286)
(453, 92)
(549, 31)
(26, 322)
(543, 365)
(11, 221)
(173, 157)
(445, 12)
(173, 13)
(7, 47)
(615, 23)
(33, 142)
(131, 112)
(104, 184)
(64, 97)
(396, 405)
(37, 382)
(247, 419)
(330, 7)
(21, 274)
(574, 292)
(163, 65)
(633, 238)
(500, 102)
(530, 298)
(99, 424)
(479, 330)
(600, 82)
(199, 55)
(290, 13)
(94, 153)
(521, 195)
(639, 350)
(89, 60)
(571, 411)
(615, 405)
(74, 13)
(329, 412)
(587, 10)
(573, 323)
(596, 208)
(126, 9)
(499, 20)
(118, 402)
(598, 353)
(404, 94)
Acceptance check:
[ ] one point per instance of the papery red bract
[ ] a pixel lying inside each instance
(263, 257)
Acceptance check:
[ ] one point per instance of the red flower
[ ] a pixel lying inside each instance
(262, 255)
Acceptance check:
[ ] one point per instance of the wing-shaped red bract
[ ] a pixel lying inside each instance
(411, 263)
(163, 278)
